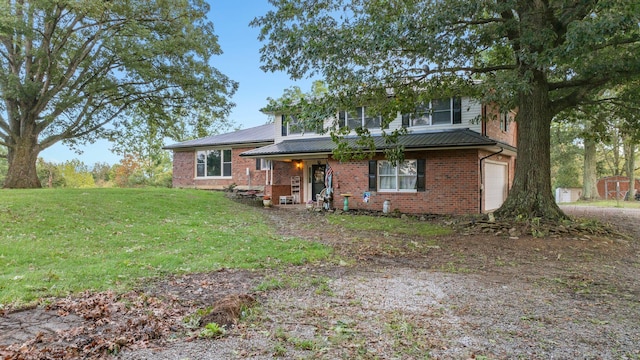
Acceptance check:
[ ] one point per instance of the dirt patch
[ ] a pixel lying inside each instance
(469, 295)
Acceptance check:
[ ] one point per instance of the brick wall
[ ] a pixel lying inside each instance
(184, 163)
(452, 185)
(183, 169)
(282, 173)
(493, 130)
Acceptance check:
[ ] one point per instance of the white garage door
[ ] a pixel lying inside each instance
(495, 185)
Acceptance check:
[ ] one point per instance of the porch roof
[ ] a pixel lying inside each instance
(456, 138)
(254, 135)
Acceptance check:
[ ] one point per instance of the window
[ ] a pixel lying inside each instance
(212, 163)
(408, 176)
(421, 117)
(292, 125)
(263, 164)
(436, 112)
(504, 121)
(359, 117)
(397, 178)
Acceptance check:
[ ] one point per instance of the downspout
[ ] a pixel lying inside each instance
(483, 121)
(482, 179)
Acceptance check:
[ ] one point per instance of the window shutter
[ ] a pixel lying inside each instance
(421, 183)
(284, 126)
(258, 165)
(373, 180)
(457, 110)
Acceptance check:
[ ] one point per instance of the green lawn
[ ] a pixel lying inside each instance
(56, 242)
(633, 204)
(388, 225)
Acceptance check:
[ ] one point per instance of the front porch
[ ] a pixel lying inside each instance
(296, 181)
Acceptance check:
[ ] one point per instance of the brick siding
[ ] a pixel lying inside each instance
(493, 130)
(452, 184)
(184, 163)
(282, 173)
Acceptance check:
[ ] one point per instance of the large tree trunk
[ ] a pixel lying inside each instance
(22, 172)
(630, 153)
(589, 176)
(531, 195)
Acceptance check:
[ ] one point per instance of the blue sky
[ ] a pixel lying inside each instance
(240, 61)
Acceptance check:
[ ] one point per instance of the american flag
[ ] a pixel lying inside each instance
(327, 176)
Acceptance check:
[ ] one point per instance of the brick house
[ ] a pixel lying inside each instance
(456, 161)
(214, 162)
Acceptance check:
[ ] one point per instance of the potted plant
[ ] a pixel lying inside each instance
(310, 204)
(266, 201)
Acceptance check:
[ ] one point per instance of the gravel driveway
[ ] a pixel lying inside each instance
(470, 296)
(477, 296)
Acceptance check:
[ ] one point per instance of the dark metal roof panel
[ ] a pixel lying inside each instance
(258, 134)
(424, 140)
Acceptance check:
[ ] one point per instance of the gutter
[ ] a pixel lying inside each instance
(482, 178)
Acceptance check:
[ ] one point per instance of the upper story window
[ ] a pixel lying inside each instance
(504, 121)
(291, 125)
(359, 117)
(213, 163)
(437, 112)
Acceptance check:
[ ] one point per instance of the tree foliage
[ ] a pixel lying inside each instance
(542, 57)
(101, 173)
(76, 174)
(70, 67)
(566, 155)
(50, 174)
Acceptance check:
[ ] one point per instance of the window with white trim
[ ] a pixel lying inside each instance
(213, 163)
(359, 117)
(291, 125)
(397, 178)
(265, 164)
(435, 112)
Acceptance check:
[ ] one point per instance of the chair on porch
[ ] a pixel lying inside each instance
(320, 197)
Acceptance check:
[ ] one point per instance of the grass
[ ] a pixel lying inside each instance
(388, 225)
(57, 242)
(608, 203)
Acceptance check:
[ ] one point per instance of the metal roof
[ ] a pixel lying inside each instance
(423, 140)
(259, 134)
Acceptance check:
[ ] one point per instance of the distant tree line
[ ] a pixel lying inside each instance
(597, 140)
(131, 171)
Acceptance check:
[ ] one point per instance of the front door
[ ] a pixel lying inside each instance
(317, 180)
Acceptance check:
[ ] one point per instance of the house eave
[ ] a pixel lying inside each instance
(289, 156)
(220, 145)
(429, 141)
(506, 150)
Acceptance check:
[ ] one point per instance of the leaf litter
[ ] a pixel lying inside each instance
(480, 295)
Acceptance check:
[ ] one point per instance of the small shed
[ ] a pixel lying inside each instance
(615, 187)
(565, 195)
